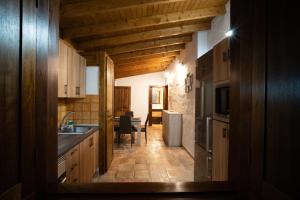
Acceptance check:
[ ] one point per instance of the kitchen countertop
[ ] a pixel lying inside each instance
(68, 141)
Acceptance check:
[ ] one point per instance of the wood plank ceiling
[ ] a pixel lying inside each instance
(141, 36)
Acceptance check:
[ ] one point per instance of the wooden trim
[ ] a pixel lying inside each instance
(101, 62)
(145, 188)
(13, 193)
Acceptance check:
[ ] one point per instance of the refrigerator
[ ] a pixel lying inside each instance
(203, 118)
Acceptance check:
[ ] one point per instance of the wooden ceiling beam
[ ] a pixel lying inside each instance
(138, 72)
(148, 57)
(142, 61)
(91, 58)
(83, 8)
(142, 53)
(142, 36)
(149, 44)
(140, 65)
(131, 24)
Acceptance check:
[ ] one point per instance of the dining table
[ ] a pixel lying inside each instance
(135, 121)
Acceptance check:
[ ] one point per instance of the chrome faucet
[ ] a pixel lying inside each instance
(62, 123)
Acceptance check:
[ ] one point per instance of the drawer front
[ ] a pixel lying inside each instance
(74, 155)
(74, 174)
(73, 165)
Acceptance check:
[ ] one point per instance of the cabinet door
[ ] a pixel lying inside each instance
(221, 65)
(82, 76)
(76, 73)
(220, 151)
(96, 151)
(63, 70)
(87, 157)
(71, 73)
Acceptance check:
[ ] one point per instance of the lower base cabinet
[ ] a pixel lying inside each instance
(82, 160)
(220, 151)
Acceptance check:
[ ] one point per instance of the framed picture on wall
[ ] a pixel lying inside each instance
(188, 82)
(156, 96)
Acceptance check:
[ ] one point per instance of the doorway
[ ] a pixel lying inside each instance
(158, 101)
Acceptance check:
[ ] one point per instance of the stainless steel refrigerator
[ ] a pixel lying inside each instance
(203, 118)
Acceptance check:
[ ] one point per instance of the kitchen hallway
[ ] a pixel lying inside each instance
(151, 162)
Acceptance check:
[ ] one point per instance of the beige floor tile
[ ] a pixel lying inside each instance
(152, 162)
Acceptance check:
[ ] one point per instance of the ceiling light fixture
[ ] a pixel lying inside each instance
(229, 33)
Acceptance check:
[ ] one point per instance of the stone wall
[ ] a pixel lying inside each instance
(179, 100)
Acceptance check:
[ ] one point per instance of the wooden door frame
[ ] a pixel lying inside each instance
(246, 145)
(165, 102)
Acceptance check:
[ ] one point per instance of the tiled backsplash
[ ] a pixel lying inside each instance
(86, 109)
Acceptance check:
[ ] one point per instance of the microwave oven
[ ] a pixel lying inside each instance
(222, 100)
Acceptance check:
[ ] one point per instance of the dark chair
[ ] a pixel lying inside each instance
(129, 113)
(125, 128)
(144, 128)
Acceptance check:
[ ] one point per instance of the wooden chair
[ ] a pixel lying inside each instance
(125, 128)
(144, 128)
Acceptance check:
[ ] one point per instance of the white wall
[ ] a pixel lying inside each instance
(219, 26)
(140, 91)
(183, 102)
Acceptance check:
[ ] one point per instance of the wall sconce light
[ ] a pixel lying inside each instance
(169, 77)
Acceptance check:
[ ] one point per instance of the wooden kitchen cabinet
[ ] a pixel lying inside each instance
(82, 160)
(220, 151)
(71, 74)
(82, 76)
(87, 159)
(63, 70)
(221, 62)
(72, 165)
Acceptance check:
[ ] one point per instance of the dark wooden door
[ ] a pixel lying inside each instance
(282, 161)
(9, 94)
(122, 100)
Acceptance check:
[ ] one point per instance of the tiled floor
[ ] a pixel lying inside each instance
(152, 162)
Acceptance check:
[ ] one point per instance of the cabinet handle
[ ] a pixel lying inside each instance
(225, 56)
(224, 132)
(74, 151)
(73, 166)
(208, 134)
(91, 142)
(78, 90)
(208, 159)
(66, 89)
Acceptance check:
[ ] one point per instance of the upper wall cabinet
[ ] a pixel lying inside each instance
(71, 73)
(221, 67)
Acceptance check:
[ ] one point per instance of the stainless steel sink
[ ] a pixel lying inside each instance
(75, 130)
